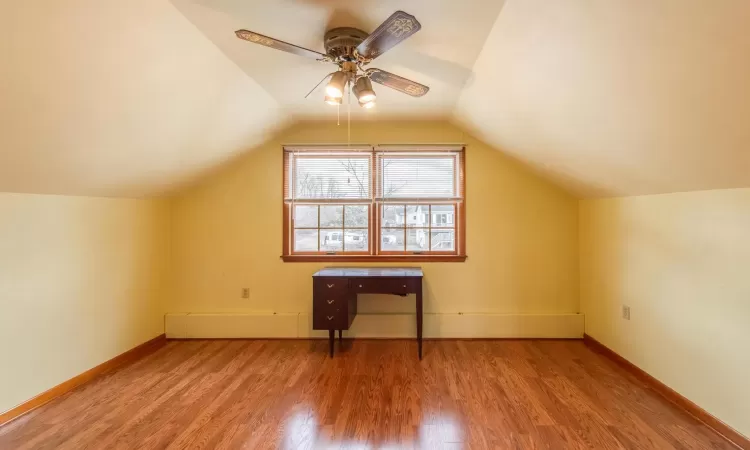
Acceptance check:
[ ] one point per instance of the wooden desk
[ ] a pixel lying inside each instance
(335, 292)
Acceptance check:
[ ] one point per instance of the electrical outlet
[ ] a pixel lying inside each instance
(626, 312)
(245, 292)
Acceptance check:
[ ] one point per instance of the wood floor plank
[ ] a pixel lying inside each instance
(266, 394)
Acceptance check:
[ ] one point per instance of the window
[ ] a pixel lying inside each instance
(374, 203)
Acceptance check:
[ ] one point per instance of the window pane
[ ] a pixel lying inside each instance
(355, 241)
(305, 216)
(443, 240)
(331, 216)
(356, 216)
(328, 177)
(392, 240)
(305, 240)
(416, 216)
(331, 240)
(393, 216)
(443, 215)
(418, 177)
(416, 240)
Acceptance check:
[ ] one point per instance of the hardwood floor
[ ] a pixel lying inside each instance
(267, 394)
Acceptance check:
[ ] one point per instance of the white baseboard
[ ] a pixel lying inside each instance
(234, 325)
(299, 325)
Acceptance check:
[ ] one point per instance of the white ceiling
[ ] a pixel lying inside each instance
(440, 55)
(605, 98)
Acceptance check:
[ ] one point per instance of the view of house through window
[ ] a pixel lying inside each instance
(331, 228)
(373, 201)
(417, 228)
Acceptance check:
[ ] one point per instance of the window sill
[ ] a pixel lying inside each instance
(373, 258)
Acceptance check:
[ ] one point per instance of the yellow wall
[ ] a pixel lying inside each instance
(81, 281)
(682, 264)
(521, 234)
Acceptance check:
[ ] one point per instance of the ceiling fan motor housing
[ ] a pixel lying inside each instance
(341, 42)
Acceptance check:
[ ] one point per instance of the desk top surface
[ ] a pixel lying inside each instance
(369, 272)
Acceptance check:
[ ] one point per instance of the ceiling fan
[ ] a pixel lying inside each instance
(352, 49)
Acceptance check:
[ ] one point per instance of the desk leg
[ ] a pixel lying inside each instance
(331, 337)
(419, 320)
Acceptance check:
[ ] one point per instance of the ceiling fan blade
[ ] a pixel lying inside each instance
(279, 45)
(395, 29)
(398, 83)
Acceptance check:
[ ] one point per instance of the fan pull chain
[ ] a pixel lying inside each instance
(338, 115)
(348, 117)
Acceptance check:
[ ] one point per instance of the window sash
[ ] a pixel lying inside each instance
(344, 230)
(429, 228)
(331, 178)
(445, 187)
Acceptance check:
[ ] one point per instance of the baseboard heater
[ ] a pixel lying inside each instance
(385, 326)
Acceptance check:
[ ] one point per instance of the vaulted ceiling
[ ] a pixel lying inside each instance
(605, 98)
(118, 98)
(619, 97)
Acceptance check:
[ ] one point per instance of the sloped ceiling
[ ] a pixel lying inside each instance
(118, 98)
(618, 97)
(136, 98)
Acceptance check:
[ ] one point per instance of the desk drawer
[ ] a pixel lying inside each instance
(326, 285)
(331, 303)
(379, 285)
(330, 319)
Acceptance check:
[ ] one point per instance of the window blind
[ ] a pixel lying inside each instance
(418, 176)
(321, 175)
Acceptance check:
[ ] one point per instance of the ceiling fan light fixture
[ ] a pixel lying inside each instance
(363, 91)
(368, 105)
(335, 87)
(333, 100)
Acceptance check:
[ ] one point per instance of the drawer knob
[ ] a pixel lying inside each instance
(360, 285)
(330, 302)
(330, 317)
(330, 285)
(404, 285)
